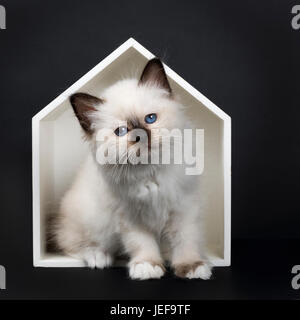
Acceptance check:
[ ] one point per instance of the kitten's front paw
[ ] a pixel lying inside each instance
(196, 270)
(97, 259)
(146, 270)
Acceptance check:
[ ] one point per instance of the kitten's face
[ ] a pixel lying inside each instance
(132, 116)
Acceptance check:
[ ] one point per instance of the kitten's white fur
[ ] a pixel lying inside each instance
(152, 212)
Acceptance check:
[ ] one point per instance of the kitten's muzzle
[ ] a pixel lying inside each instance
(140, 135)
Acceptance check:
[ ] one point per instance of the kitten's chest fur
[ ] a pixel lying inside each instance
(148, 196)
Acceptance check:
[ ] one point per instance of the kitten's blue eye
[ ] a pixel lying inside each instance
(150, 118)
(121, 131)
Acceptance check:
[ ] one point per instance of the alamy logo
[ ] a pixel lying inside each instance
(296, 278)
(155, 146)
(2, 278)
(2, 17)
(296, 19)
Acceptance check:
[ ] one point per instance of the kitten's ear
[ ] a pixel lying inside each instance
(83, 104)
(154, 72)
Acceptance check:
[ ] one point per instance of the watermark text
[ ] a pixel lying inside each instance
(296, 279)
(296, 18)
(2, 17)
(2, 278)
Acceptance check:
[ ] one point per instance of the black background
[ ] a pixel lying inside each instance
(242, 55)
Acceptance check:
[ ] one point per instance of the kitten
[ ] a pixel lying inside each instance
(150, 211)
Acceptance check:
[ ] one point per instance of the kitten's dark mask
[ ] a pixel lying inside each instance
(84, 104)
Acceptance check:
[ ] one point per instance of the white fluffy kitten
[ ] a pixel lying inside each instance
(150, 211)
